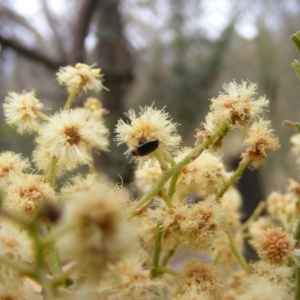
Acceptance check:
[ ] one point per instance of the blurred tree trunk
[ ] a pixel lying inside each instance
(115, 59)
(81, 30)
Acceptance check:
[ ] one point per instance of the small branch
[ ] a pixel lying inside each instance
(52, 259)
(170, 159)
(172, 186)
(58, 232)
(63, 276)
(235, 176)
(167, 270)
(42, 116)
(156, 254)
(166, 258)
(70, 99)
(240, 258)
(166, 198)
(258, 210)
(161, 160)
(18, 266)
(51, 175)
(142, 208)
(92, 167)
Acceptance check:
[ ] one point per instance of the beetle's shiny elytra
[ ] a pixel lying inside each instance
(145, 147)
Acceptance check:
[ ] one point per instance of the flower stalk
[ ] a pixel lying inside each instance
(236, 175)
(236, 252)
(52, 175)
(156, 253)
(70, 99)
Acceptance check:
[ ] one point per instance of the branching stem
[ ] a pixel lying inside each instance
(236, 175)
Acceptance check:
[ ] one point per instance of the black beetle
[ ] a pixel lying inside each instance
(145, 147)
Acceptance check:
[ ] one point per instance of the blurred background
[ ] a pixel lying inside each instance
(173, 53)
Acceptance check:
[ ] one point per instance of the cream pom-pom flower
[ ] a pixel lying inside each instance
(69, 136)
(15, 244)
(102, 237)
(149, 123)
(274, 245)
(20, 111)
(26, 194)
(260, 139)
(81, 76)
(12, 164)
(239, 103)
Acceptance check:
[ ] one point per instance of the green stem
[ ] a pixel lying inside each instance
(51, 175)
(58, 232)
(236, 175)
(63, 276)
(53, 261)
(167, 270)
(161, 160)
(216, 259)
(166, 198)
(70, 99)
(297, 294)
(258, 210)
(172, 186)
(156, 253)
(176, 169)
(43, 280)
(51, 253)
(170, 159)
(236, 252)
(42, 116)
(18, 266)
(166, 258)
(39, 253)
(92, 168)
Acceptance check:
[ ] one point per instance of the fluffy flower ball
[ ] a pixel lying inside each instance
(260, 140)
(199, 226)
(69, 136)
(12, 164)
(150, 123)
(20, 111)
(80, 77)
(274, 246)
(238, 103)
(102, 237)
(205, 278)
(26, 193)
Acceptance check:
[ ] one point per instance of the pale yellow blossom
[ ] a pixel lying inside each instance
(69, 136)
(79, 77)
(21, 110)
